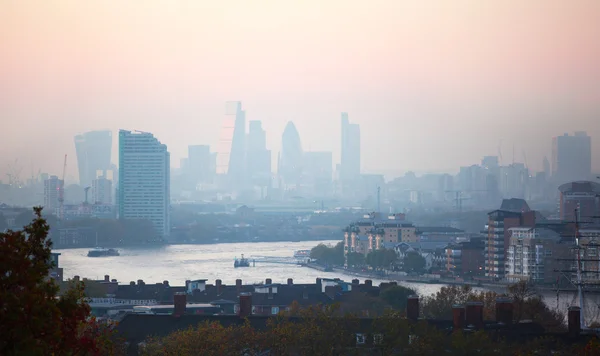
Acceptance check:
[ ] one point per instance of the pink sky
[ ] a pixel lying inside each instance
(434, 84)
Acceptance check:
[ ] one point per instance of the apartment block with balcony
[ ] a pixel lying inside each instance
(375, 231)
(513, 213)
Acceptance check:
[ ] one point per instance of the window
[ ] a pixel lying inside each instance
(274, 310)
(378, 339)
(360, 339)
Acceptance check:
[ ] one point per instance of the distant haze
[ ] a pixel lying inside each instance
(433, 84)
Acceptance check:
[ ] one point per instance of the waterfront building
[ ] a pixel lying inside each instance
(376, 231)
(144, 180)
(512, 213)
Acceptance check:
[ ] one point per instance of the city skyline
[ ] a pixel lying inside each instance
(436, 80)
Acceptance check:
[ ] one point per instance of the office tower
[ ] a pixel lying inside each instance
(52, 187)
(231, 151)
(258, 158)
(102, 191)
(93, 151)
(490, 162)
(198, 166)
(144, 180)
(350, 162)
(318, 172)
(571, 157)
(291, 156)
(547, 169)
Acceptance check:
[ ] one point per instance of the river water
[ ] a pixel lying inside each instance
(178, 263)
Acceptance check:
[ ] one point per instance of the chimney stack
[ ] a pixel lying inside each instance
(458, 317)
(290, 281)
(368, 283)
(166, 283)
(140, 282)
(412, 307)
(238, 285)
(474, 315)
(76, 278)
(106, 278)
(504, 311)
(319, 285)
(268, 281)
(132, 283)
(218, 285)
(245, 305)
(574, 321)
(179, 301)
(355, 282)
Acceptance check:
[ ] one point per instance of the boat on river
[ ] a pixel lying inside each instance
(242, 262)
(102, 252)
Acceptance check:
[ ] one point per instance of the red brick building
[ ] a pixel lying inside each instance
(582, 195)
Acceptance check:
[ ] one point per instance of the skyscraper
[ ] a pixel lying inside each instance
(93, 155)
(258, 158)
(198, 164)
(101, 191)
(291, 156)
(144, 180)
(571, 157)
(231, 150)
(318, 171)
(51, 194)
(350, 162)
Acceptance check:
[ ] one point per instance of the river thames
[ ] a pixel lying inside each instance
(178, 263)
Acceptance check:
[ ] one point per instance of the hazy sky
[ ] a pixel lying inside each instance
(434, 84)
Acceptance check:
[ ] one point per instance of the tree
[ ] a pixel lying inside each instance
(382, 258)
(332, 255)
(414, 262)
(396, 296)
(3, 223)
(355, 259)
(35, 321)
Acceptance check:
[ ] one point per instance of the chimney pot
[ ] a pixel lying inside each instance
(268, 281)
(132, 283)
(218, 284)
(290, 281)
(166, 283)
(458, 317)
(355, 282)
(113, 280)
(574, 321)
(412, 307)
(238, 285)
(179, 301)
(140, 282)
(245, 309)
(474, 315)
(368, 283)
(504, 311)
(106, 278)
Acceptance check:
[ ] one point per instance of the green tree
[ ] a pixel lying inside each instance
(35, 321)
(382, 258)
(332, 255)
(397, 296)
(355, 259)
(414, 262)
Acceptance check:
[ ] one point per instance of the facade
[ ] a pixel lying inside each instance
(198, 164)
(583, 196)
(292, 156)
(52, 187)
(498, 234)
(258, 158)
(535, 255)
(102, 191)
(318, 171)
(350, 162)
(93, 151)
(572, 157)
(376, 231)
(144, 176)
(231, 150)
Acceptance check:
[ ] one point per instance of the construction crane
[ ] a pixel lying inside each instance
(459, 198)
(61, 193)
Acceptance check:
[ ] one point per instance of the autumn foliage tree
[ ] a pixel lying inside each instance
(34, 319)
